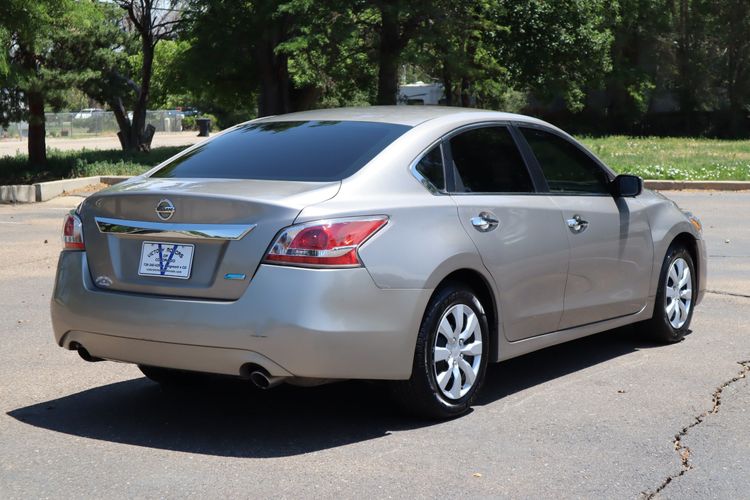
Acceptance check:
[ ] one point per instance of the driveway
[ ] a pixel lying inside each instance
(609, 416)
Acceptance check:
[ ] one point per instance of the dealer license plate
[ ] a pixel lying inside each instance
(168, 260)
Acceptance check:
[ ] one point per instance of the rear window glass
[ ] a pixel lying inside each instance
(290, 151)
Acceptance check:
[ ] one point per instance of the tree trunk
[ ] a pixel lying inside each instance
(138, 125)
(465, 97)
(447, 86)
(274, 76)
(684, 66)
(389, 51)
(118, 108)
(37, 141)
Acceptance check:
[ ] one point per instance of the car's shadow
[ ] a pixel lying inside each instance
(231, 419)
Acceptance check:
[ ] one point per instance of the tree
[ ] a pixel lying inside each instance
(459, 46)
(641, 52)
(52, 47)
(27, 32)
(284, 55)
(399, 21)
(153, 21)
(555, 49)
(95, 58)
(731, 35)
(231, 59)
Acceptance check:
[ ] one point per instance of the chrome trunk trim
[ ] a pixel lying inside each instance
(172, 230)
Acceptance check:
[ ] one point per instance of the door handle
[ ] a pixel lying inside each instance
(484, 222)
(576, 224)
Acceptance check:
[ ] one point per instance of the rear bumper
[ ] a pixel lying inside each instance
(291, 321)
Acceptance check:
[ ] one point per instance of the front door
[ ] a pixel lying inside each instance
(610, 238)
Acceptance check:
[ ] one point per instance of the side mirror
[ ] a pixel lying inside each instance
(626, 185)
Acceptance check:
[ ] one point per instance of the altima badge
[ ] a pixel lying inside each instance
(165, 209)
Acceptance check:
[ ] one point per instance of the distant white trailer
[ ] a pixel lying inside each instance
(421, 93)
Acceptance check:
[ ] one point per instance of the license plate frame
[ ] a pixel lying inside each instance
(166, 259)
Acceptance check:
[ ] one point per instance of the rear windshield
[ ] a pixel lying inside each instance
(290, 151)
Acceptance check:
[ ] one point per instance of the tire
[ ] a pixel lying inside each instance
(434, 391)
(673, 308)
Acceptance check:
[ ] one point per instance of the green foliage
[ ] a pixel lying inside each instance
(556, 48)
(51, 47)
(604, 65)
(167, 91)
(27, 30)
(70, 164)
(459, 45)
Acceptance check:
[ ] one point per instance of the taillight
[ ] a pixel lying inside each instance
(326, 243)
(72, 233)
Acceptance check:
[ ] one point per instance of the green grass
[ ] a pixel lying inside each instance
(674, 158)
(69, 164)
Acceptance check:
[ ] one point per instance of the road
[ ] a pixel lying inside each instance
(12, 147)
(595, 418)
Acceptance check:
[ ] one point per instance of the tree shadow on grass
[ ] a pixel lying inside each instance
(229, 418)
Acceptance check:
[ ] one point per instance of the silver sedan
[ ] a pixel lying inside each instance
(407, 244)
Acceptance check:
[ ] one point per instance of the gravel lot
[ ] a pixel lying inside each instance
(595, 418)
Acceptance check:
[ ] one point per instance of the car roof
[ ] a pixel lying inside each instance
(401, 115)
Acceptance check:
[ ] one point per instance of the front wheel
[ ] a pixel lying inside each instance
(673, 308)
(451, 355)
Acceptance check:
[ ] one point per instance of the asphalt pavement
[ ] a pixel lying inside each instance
(609, 416)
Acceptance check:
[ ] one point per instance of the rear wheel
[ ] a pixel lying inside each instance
(450, 358)
(673, 308)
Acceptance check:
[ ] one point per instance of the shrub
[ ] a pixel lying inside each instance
(84, 163)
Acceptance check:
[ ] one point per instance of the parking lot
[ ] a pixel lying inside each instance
(609, 416)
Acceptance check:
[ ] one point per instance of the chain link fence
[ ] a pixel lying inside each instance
(90, 123)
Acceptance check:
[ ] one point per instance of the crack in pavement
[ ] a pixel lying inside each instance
(682, 450)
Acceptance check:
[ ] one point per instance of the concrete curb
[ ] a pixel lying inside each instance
(110, 180)
(52, 189)
(664, 185)
(43, 191)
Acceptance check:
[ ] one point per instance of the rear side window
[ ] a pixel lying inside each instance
(566, 167)
(288, 151)
(431, 168)
(486, 160)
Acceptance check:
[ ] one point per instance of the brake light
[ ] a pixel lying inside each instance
(327, 243)
(72, 233)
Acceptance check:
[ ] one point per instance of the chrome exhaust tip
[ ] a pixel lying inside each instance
(264, 381)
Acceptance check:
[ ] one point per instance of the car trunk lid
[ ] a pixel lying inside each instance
(227, 226)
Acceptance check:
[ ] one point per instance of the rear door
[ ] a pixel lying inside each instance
(516, 230)
(610, 238)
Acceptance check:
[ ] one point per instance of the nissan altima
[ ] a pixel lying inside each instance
(413, 245)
